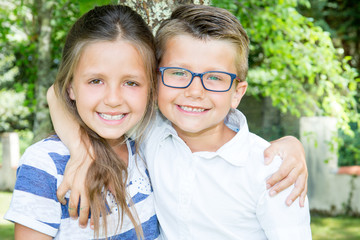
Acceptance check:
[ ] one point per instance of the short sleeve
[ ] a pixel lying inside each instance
(282, 222)
(34, 203)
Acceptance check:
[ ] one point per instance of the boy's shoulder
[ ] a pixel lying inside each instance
(256, 155)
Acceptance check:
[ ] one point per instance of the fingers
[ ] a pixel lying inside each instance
(299, 187)
(269, 155)
(303, 197)
(304, 192)
(284, 183)
(84, 210)
(284, 170)
(91, 223)
(73, 204)
(61, 191)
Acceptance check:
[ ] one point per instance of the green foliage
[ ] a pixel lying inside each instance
(349, 152)
(294, 62)
(341, 19)
(86, 5)
(13, 114)
(19, 34)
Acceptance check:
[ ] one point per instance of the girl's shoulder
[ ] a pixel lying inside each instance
(49, 155)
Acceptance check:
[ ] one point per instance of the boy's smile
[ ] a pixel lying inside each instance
(110, 88)
(193, 110)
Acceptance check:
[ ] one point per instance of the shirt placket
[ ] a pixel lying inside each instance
(185, 199)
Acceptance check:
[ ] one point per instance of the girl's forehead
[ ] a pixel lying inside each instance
(110, 58)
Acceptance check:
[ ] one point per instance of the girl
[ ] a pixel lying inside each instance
(106, 82)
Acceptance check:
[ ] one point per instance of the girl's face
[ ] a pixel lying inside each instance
(110, 88)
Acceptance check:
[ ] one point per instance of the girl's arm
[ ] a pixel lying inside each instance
(25, 233)
(68, 131)
(293, 170)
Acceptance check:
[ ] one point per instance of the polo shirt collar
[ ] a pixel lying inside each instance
(235, 151)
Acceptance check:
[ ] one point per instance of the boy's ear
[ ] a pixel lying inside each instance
(71, 92)
(238, 94)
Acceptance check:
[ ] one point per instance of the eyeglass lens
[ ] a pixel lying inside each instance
(217, 81)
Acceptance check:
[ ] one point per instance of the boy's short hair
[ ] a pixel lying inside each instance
(206, 23)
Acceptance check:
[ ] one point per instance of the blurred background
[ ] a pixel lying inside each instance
(303, 79)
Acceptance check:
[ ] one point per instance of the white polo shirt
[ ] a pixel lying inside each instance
(219, 195)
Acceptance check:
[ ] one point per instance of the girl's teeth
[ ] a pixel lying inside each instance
(111, 117)
(190, 109)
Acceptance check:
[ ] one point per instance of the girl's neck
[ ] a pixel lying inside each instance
(120, 148)
(209, 140)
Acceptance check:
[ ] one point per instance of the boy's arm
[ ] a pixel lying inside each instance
(25, 233)
(68, 131)
(293, 170)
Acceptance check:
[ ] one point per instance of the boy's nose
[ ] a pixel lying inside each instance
(195, 89)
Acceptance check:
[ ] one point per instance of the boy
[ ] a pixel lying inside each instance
(211, 175)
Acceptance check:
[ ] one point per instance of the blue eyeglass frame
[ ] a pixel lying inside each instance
(200, 75)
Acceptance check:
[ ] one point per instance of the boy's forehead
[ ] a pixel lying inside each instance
(200, 54)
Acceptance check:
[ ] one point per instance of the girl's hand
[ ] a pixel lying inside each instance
(293, 170)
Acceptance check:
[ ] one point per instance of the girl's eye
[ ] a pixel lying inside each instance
(131, 84)
(95, 81)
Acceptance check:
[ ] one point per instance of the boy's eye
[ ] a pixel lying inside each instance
(131, 84)
(95, 81)
(214, 77)
(177, 73)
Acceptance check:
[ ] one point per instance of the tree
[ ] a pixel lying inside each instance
(153, 12)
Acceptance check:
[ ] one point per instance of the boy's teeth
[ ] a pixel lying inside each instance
(111, 117)
(190, 109)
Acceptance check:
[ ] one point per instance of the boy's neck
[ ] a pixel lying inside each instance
(209, 140)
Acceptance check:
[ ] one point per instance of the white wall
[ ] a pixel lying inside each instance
(10, 159)
(327, 190)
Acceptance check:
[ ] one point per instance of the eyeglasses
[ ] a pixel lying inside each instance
(215, 81)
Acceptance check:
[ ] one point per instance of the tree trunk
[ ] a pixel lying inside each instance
(42, 123)
(155, 11)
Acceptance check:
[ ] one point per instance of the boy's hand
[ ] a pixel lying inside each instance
(74, 180)
(293, 170)
(68, 130)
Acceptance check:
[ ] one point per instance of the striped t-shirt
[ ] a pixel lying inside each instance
(34, 203)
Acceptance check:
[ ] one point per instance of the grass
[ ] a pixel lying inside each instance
(6, 227)
(329, 228)
(323, 228)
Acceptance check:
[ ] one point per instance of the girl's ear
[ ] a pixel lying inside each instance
(71, 92)
(238, 94)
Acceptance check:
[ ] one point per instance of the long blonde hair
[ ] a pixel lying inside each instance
(107, 23)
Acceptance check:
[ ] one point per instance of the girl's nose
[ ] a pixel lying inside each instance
(113, 96)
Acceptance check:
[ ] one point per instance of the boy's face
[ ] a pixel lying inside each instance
(194, 109)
